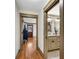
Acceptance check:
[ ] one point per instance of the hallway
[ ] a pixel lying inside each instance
(40, 19)
(28, 50)
(30, 7)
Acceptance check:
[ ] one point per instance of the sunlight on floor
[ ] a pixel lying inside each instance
(29, 44)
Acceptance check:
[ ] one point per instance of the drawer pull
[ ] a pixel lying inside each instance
(52, 41)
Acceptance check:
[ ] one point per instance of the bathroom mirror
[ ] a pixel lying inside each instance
(53, 21)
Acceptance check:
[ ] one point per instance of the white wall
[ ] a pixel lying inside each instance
(28, 12)
(40, 32)
(34, 30)
(41, 28)
(17, 31)
(29, 20)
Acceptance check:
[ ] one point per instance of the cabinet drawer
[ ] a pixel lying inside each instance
(53, 44)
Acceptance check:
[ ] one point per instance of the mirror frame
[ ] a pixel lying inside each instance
(51, 4)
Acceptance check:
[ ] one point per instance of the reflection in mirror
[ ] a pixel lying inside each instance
(53, 28)
(54, 21)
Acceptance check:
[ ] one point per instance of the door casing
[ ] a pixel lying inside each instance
(51, 4)
(22, 15)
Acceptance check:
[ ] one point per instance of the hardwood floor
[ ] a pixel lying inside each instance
(28, 50)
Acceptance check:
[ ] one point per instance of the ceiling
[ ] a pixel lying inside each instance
(30, 5)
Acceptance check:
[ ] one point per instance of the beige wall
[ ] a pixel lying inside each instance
(17, 31)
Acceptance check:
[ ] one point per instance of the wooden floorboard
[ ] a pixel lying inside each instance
(28, 50)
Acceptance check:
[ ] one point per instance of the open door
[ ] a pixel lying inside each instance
(54, 30)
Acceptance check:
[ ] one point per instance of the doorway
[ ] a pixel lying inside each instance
(30, 21)
(54, 30)
(30, 30)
